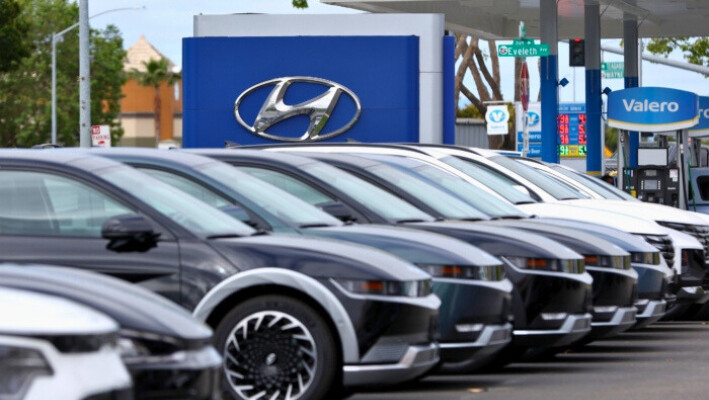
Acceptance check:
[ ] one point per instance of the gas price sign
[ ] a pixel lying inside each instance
(571, 128)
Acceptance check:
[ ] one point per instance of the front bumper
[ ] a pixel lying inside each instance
(649, 312)
(491, 339)
(574, 327)
(620, 320)
(190, 374)
(416, 361)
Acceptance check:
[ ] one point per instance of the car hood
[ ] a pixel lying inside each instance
(320, 258)
(501, 241)
(622, 221)
(628, 242)
(130, 306)
(579, 241)
(657, 212)
(415, 246)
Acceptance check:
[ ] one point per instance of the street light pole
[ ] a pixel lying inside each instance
(57, 37)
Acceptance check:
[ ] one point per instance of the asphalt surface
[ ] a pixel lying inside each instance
(668, 360)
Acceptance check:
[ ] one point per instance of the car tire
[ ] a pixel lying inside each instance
(276, 344)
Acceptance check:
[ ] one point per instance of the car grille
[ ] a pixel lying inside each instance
(699, 232)
(664, 244)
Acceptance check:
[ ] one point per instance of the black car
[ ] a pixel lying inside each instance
(614, 282)
(291, 315)
(551, 297)
(168, 353)
(476, 299)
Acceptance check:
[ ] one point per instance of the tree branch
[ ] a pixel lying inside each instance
(497, 95)
(479, 84)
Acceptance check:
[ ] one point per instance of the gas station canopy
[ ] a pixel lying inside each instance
(499, 19)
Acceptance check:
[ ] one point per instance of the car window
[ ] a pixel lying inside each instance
(501, 184)
(555, 188)
(188, 186)
(445, 204)
(42, 204)
(275, 201)
(289, 184)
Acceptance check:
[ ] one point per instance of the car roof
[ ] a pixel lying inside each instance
(77, 158)
(271, 157)
(350, 159)
(164, 156)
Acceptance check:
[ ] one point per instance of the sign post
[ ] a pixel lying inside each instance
(523, 47)
(524, 97)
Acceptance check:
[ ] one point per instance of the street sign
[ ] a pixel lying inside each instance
(612, 70)
(497, 118)
(101, 136)
(523, 48)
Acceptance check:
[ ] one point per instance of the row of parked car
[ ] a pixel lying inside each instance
(305, 271)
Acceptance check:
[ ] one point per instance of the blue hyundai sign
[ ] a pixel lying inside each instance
(702, 128)
(256, 90)
(652, 109)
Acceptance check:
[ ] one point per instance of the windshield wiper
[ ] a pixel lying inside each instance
(314, 225)
(225, 236)
(525, 202)
(406, 221)
(471, 219)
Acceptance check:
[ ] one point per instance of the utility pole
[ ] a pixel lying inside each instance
(84, 76)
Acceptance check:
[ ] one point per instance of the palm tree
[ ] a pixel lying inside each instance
(156, 72)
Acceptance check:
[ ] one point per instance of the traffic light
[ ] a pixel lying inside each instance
(576, 53)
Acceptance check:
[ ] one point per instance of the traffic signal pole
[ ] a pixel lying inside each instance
(631, 57)
(592, 30)
(548, 13)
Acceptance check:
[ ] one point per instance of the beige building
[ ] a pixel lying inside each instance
(137, 115)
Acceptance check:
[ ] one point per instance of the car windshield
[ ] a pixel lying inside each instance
(278, 202)
(473, 195)
(605, 189)
(378, 200)
(444, 203)
(555, 188)
(187, 211)
(501, 185)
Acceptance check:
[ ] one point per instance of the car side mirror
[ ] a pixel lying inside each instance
(129, 232)
(338, 210)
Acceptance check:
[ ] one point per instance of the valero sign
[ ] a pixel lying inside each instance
(652, 109)
(702, 128)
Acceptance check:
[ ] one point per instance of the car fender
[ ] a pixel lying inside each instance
(302, 283)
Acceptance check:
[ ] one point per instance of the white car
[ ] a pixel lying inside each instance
(51, 348)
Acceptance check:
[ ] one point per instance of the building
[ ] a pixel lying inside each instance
(137, 115)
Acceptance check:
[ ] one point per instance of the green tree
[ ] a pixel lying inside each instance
(695, 50)
(156, 72)
(300, 3)
(25, 92)
(13, 28)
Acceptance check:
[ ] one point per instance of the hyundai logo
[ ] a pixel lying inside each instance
(318, 109)
(533, 118)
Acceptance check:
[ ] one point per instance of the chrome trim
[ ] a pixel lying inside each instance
(484, 339)
(283, 277)
(622, 316)
(318, 109)
(566, 328)
(415, 362)
(654, 308)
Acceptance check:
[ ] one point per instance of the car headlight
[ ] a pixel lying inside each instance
(575, 266)
(645, 258)
(615, 262)
(481, 273)
(420, 288)
(19, 366)
(144, 347)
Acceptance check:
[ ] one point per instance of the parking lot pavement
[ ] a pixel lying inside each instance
(664, 361)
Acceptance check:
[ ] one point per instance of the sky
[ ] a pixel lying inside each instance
(165, 22)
